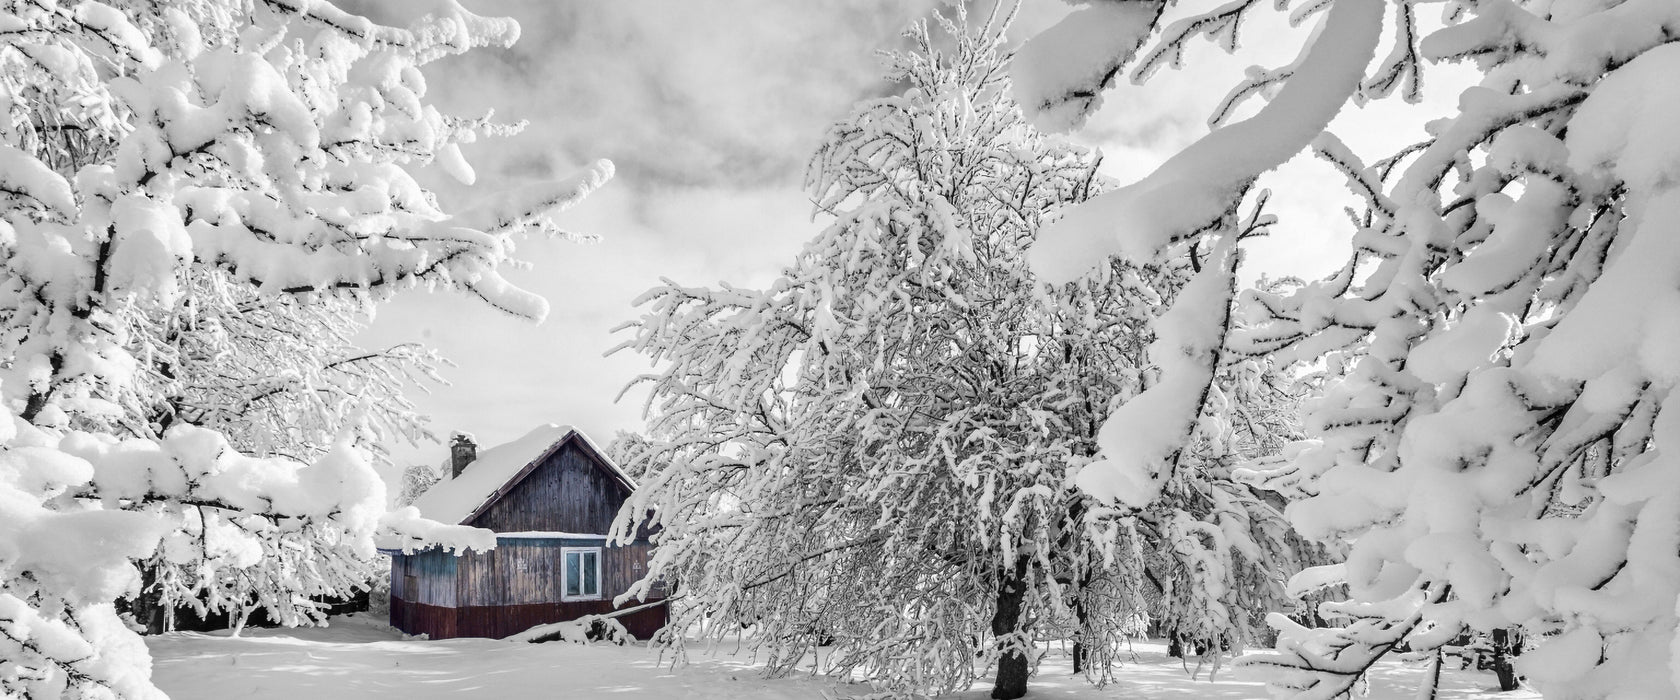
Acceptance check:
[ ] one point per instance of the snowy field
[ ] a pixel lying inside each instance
(355, 658)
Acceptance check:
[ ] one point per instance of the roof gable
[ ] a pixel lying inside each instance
(499, 469)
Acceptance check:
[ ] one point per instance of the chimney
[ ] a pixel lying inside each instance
(462, 451)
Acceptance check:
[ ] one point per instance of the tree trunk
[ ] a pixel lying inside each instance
(1431, 678)
(149, 609)
(1503, 650)
(239, 622)
(1083, 631)
(1013, 667)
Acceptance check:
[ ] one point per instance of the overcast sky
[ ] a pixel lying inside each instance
(710, 111)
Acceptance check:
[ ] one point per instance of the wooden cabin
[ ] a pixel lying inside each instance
(550, 497)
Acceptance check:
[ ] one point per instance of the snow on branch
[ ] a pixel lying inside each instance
(1196, 186)
(406, 530)
(1220, 24)
(1058, 75)
(1141, 440)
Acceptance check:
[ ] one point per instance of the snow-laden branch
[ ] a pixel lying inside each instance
(1142, 438)
(1195, 187)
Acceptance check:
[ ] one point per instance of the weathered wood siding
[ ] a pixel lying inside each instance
(568, 492)
(424, 577)
(526, 571)
(622, 566)
(418, 618)
(505, 620)
(516, 572)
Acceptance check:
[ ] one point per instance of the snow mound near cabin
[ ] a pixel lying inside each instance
(584, 630)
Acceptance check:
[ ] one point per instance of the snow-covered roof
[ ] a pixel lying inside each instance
(498, 469)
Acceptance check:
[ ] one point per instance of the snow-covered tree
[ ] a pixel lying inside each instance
(267, 148)
(64, 559)
(200, 201)
(1221, 548)
(277, 375)
(419, 478)
(625, 449)
(69, 534)
(1496, 444)
(876, 451)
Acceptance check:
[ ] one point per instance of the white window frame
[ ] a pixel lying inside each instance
(565, 573)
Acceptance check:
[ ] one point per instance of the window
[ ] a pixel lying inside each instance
(583, 573)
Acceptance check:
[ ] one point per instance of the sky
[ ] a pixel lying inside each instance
(709, 111)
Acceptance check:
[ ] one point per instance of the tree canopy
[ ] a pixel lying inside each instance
(878, 451)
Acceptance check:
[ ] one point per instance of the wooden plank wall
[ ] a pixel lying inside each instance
(516, 572)
(501, 621)
(430, 620)
(526, 572)
(423, 593)
(532, 571)
(433, 573)
(622, 566)
(568, 492)
(476, 582)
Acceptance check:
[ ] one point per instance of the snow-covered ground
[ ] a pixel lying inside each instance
(358, 658)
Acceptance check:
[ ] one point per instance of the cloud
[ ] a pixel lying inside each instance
(729, 93)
